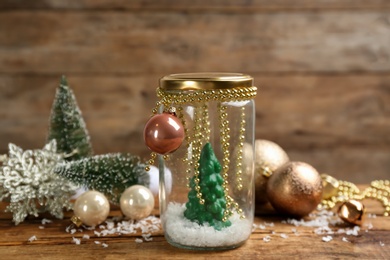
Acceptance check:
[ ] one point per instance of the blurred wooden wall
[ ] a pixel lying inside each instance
(322, 68)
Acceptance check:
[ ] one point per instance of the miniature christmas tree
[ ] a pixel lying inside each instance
(28, 181)
(67, 126)
(109, 174)
(210, 182)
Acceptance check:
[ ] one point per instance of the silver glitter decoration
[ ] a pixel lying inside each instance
(28, 180)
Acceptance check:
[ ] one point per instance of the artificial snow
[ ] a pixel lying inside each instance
(266, 239)
(182, 231)
(46, 221)
(76, 241)
(327, 238)
(283, 235)
(33, 238)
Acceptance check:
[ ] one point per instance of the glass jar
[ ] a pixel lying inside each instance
(208, 201)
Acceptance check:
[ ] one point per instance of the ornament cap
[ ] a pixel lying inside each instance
(205, 81)
(76, 220)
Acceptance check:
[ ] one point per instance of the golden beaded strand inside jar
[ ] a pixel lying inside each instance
(240, 149)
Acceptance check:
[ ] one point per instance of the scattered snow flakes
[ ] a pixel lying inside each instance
(354, 231)
(381, 243)
(77, 241)
(295, 231)
(327, 238)
(260, 226)
(271, 224)
(68, 228)
(344, 239)
(46, 221)
(33, 238)
(147, 237)
(266, 239)
(368, 226)
(41, 227)
(283, 235)
(118, 226)
(324, 230)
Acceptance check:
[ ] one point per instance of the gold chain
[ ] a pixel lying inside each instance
(196, 150)
(220, 95)
(379, 190)
(240, 149)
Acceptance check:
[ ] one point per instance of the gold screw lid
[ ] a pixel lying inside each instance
(205, 81)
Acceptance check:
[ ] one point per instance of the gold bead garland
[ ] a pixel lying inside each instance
(379, 190)
(196, 149)
(240, 148)
(220, 95)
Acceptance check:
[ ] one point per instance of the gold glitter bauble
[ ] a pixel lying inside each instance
(268, 157)
(295, 189)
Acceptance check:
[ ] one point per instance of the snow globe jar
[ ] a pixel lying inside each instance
(202, 135)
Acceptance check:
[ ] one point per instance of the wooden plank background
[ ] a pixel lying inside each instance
(322, 68)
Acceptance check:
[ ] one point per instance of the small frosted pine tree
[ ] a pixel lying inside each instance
(67, 125)
(110, 174)
(210, 182)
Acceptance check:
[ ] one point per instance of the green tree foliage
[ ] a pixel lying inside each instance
(67, 126)
(109, 174)
(210, 182)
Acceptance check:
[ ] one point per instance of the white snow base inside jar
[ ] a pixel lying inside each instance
(186, 233)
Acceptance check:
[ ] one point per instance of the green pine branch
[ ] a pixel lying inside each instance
(67, 125)
(110, 174)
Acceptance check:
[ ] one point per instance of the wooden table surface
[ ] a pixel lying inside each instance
(287, 241)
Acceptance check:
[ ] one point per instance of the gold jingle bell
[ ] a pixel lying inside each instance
(330, 186)
(352, 212)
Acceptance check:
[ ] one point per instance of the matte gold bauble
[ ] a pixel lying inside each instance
(137, 202)
(295, 189)
(91, 209)
(268, 157)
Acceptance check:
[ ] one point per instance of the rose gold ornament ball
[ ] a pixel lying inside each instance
(268, 157)
(163, 133)
(295, 189)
